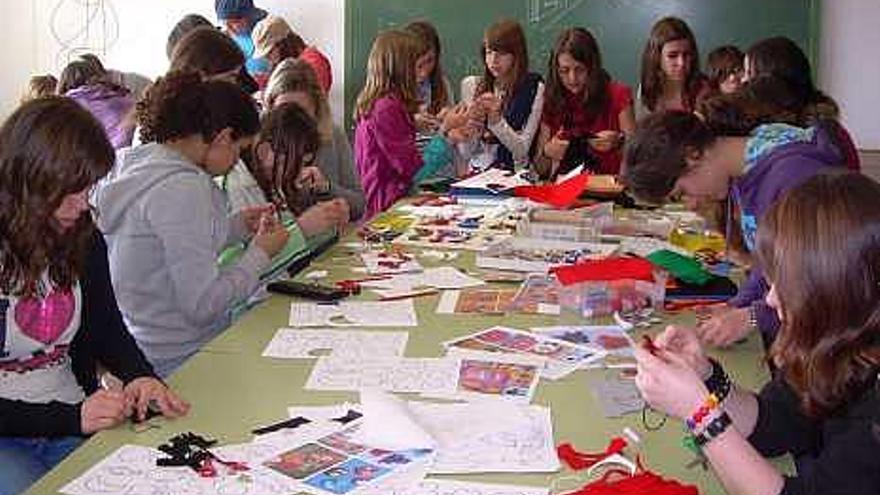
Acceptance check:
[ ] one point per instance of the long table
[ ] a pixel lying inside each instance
(233, 389)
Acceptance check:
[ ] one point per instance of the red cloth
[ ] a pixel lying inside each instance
(320, 64)
(619, 97)
(562, 195)
(605, 270)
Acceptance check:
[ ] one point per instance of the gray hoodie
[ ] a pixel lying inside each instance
(165, 223)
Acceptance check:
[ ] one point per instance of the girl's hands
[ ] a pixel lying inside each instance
(668, 383)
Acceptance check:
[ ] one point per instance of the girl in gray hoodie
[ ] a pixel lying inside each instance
(165, 221)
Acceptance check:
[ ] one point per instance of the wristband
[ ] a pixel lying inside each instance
(714, 429)
(718, 382)
(711, 403)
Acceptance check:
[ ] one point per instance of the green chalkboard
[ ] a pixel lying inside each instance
(621, 27)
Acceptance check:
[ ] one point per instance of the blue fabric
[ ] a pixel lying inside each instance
(238, 9)
(436, 155)
(768, 137)
(517, 113)
(23, 461)
(254, 66)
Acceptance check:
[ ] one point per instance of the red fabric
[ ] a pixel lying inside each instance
(562, 195)
(643, 483)
(619, 97)
(320, 65)
(579, 460)
(606, 270)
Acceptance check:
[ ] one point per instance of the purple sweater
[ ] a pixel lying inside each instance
(774, 173)
(112, 106)
(385, 153)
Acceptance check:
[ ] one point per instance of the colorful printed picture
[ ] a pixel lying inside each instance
(305, 461)
(342, 441)
(612, 339)
(484, 301)
(510, 340)
(392, 459)
(347, 476)
(497, 378)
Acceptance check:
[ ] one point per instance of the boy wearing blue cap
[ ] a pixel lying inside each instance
(238, 18)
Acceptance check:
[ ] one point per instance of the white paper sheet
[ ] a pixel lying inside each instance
(354, 314)
(132, 469)
(432, 375)
(643, 246)
(289, 343)
(443, 277)
(526, 448)
(452, 487)
(388, 423)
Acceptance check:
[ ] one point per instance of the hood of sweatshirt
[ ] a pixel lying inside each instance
(136, 172)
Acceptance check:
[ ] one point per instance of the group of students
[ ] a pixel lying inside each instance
(117, 265)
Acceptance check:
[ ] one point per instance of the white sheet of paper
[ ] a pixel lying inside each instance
(643, 246)
(452, 487)
(132, 469)
(443, 277)
(389, 424)
(354, 314)
(431, 375)
(289, 343)
(526, 448)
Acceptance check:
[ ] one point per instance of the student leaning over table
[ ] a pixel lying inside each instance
(820, 246)
(58, 313)
(166, 221)
(676, 154)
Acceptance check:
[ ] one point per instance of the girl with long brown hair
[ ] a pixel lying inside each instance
(385, 137)
(670, 77)
(586, 113)
(506, 104)
(58, 312)
(820, 245)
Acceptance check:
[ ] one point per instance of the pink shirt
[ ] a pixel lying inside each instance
(320, 65)
(385, 154)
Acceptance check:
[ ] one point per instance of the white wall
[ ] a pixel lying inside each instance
(40, 36)
(850, 67)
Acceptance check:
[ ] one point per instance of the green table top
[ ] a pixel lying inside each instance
(233, 389)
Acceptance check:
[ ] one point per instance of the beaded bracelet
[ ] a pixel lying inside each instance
(711, 403)
(715, 428)
(718, 382)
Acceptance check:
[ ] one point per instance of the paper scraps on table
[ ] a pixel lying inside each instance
(452, 487)
(353, 314)
(308, 344)
(612, 339)
(562, 358)
(132, 469)
(539, 255)
(618, 396)
(479, 301)
(390, 261)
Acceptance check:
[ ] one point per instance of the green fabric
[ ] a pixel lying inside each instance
(688, 270)
(295, 247)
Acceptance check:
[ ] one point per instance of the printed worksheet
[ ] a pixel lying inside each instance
(452, 487)
(291, 343)
(354, 314)
(132, 469)
(393, 374)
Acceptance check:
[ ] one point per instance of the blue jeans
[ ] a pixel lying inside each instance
(25, 460)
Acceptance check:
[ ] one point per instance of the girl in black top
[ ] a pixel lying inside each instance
(58, 313)
(820, 246)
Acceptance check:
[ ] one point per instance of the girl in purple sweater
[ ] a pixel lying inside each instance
(385, 149)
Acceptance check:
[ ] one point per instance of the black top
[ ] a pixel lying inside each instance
(845, 447)
(102, 337)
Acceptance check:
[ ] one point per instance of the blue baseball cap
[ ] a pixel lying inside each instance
(238, 9)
